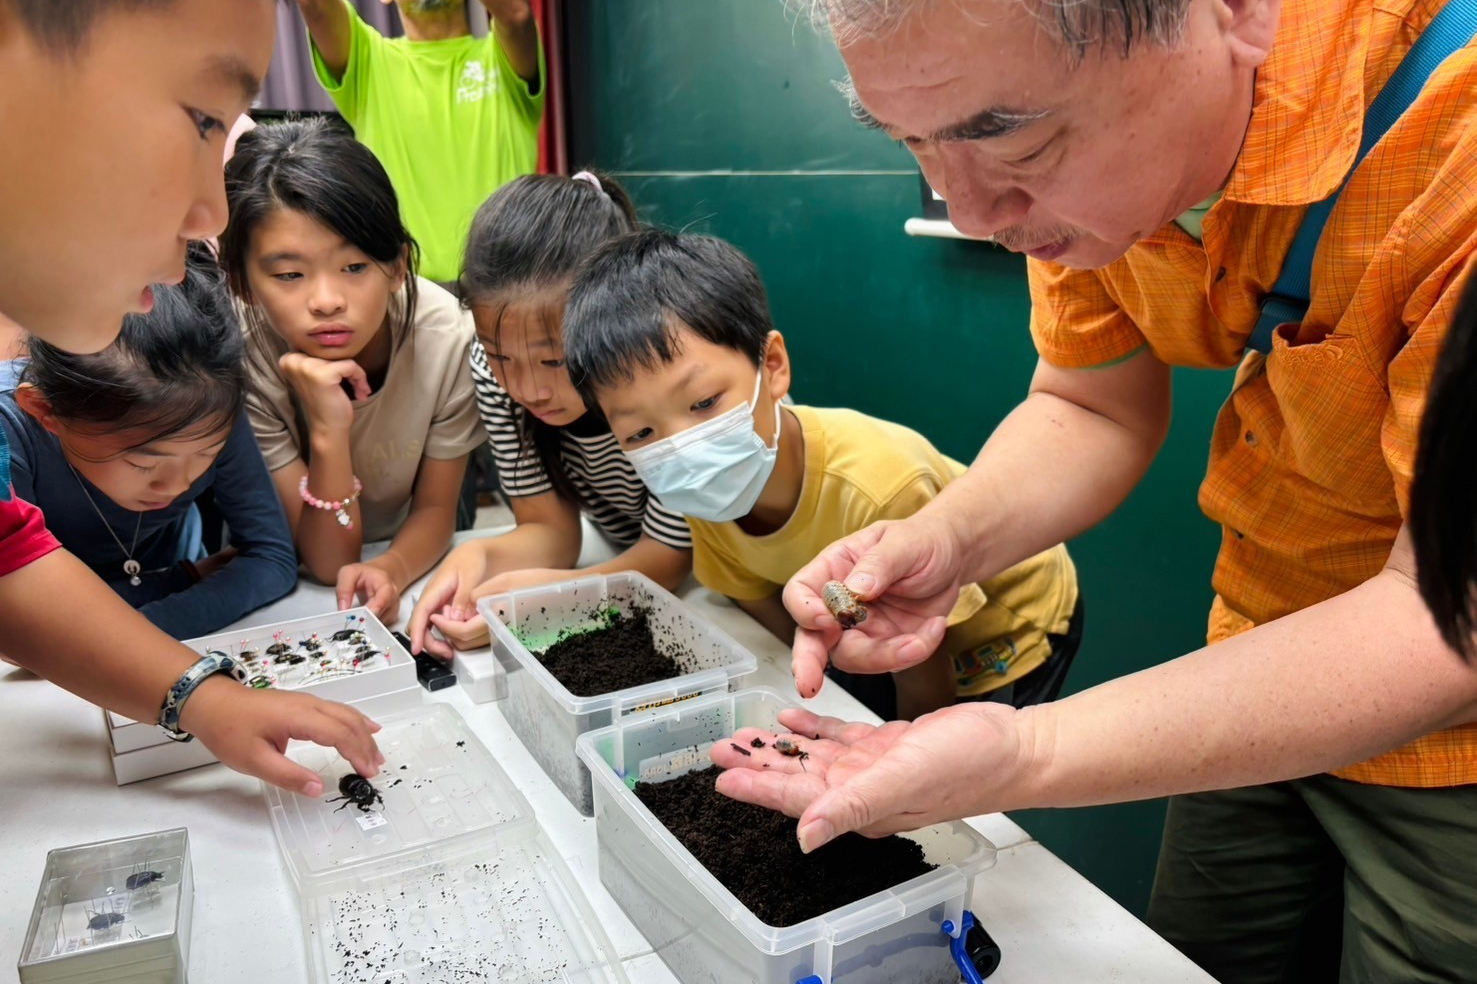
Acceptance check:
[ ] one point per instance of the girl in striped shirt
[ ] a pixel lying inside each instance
(555, 458)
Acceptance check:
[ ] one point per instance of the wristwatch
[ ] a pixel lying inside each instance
(208, 665)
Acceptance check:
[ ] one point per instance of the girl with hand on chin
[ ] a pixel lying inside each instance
(361, 395)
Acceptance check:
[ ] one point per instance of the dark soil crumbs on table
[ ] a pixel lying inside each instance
(614, 657)
(754, 853)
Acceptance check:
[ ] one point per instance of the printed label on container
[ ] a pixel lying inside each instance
(673, 763)
(371, 820)
(663, 703)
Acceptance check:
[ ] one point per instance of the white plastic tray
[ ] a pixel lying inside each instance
(448, 880)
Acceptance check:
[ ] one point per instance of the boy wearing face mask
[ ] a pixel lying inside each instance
(671, 335)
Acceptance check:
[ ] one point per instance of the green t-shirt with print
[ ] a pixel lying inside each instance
(451, 121)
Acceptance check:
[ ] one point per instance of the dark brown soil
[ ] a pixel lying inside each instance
(613, 657)
(754, 853)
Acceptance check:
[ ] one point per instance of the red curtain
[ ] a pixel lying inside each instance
(553, 149)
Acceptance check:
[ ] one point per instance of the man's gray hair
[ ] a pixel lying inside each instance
(1078, 24)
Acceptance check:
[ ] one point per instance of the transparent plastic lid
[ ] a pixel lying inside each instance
(439, 787)
(508, 912)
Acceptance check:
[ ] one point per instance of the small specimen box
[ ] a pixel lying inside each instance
(442, 876)
(346, 656)
(542, 712)
(117, 911)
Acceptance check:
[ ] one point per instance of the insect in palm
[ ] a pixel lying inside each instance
(357, 791)
(791, 749)
(843, 604)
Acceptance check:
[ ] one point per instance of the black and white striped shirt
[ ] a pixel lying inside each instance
(602, 476)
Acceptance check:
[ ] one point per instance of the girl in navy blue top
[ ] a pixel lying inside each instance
(116, 447)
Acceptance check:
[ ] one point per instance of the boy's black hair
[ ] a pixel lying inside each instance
(174, 371)
(316, 168)
(62, 25)
(1443, 500)
(634, 297)
(530, 236)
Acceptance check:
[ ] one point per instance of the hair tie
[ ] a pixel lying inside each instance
(590, 178)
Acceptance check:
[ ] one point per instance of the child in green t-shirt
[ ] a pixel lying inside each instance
(451, 116)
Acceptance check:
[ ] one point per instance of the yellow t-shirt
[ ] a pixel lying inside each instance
(858, 470)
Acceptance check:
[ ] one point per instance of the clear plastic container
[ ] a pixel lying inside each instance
(546, 717)
(702, 932)
(113, 911)
(444, 878)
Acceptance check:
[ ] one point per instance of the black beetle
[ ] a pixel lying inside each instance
(102, 920)
(357, 791)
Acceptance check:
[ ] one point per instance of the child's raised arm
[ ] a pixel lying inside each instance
(68, 626)
(325, 543)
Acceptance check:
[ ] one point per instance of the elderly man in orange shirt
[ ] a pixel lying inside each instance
(1156, 160)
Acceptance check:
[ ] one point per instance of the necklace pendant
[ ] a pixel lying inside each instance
(131, 568)
(343, 519)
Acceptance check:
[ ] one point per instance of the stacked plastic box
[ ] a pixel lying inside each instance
(114, 912)
(141, 751)
(702, 932)
(545, 716)
(445, 878)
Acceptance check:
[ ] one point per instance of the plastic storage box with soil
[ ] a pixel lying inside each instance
(571, 625)
(703, 931)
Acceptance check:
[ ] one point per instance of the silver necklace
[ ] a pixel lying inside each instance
(131, 567)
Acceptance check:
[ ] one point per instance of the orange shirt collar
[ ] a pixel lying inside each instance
(1308, 106)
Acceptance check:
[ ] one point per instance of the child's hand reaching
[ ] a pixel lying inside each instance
(446, 603)
(318, 385)
(249, 729)
(462, 631)
(373, 586)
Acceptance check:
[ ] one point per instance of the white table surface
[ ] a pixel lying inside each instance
(57, 789)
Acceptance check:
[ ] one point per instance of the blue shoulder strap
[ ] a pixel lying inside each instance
(1450, 30)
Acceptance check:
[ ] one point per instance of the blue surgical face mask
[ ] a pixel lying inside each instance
(714, 471)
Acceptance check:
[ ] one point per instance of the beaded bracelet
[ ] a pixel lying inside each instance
(339, 507)
(174, 701)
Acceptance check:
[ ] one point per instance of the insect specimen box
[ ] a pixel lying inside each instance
(115, 911)
(343, 656)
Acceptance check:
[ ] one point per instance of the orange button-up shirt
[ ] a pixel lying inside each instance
(1312, 456)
